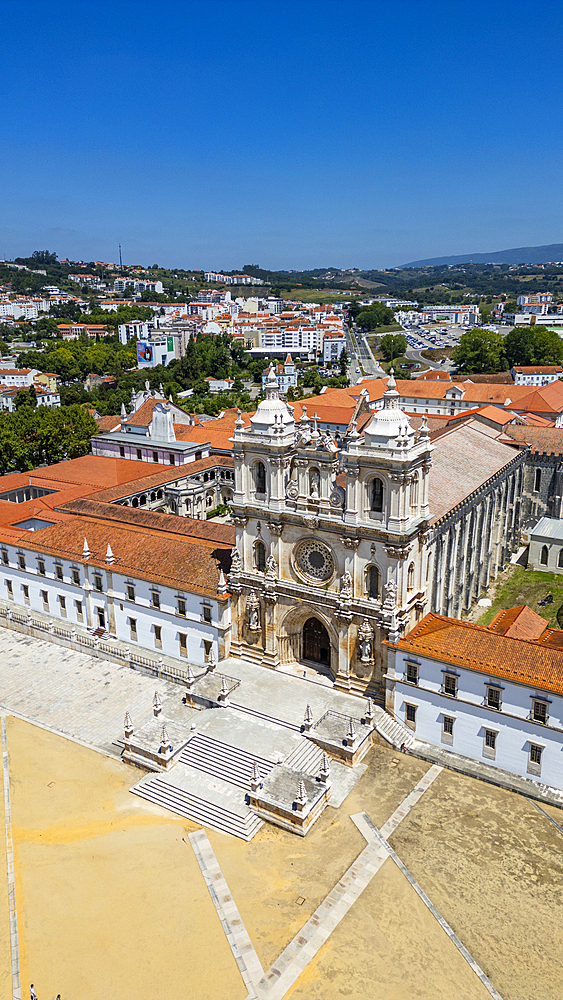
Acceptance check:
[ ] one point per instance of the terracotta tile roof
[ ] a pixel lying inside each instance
(540, 439)
(475, 647)
(95, 471)
(133, 517)
(474, 455)
(106, 424)
(538, 369)
(548, 399)
(519, 623)
(185, 563)
(162, 475)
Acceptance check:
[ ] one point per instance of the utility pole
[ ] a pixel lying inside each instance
(120, 261)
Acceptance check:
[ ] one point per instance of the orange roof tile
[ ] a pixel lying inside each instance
(519, 623)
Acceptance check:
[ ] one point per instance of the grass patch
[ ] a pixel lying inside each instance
(528, 587)
(311, 295)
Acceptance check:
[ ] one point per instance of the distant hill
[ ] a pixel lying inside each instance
(518, 255)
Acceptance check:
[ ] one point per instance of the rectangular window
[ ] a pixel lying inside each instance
(98, 583)
(76, 577)
(45, 599)
(207, 647)
(172, 459)
(207, 615)
(490, 744)
(493, 698)
(25, 591)
(121, 451)
(155, 600)
(130, 592)
(21, 560)
(412, 673)
(157, 636)
(155, 456)
(183, 643)
(447, 729)
(59, 572)
(139, 455)
(450, 685)
(539, 712)
(62, 602)
(133, 628)
(534, 759)
(5, 557)
(79, 614)
(182, 607)
(537, 481)
(9, 588)
(410, 716)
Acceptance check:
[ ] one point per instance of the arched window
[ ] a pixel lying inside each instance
(143, 500)
(159, 495)
(414, 491)
(153, 497)
(260, 556)
(373, 581)
(560, 560)
(377, 495)
(135, 502)
(537, 481)
(260, 477)
(544, 555)
(410, 577)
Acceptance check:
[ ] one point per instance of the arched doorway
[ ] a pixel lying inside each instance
(316, 642)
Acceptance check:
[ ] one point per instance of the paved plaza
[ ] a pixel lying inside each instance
(418, 882)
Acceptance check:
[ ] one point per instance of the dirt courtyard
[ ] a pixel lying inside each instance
(112, 904)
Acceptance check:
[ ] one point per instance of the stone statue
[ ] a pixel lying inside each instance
(236, 562)
(390, 594)
(253, 611)
(271, 566)
(365, 640)
(346, 587)
(315, 480)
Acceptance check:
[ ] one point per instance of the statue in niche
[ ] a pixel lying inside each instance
(346, 587)
(365, 640)
(253, 611)
(391, 594)
(236, 561)
(314, 484)
(271, 566)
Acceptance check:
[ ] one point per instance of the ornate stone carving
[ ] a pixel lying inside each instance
(240, 522)
(292, 490)
(398, 551)
(253, 611)
(365, 641)
(236, 563)
(351, 543)
(275, 528)
(337, 496)
(311, 521)
(346, 587)
(390, 595)
(313, 561)
(352, 472)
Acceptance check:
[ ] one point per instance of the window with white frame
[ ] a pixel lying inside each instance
(450, 685)
(412, 672)
(490, 743)
(133, 628)
(539, 711)
(5, 559)
(10, 589)
(447, 729)
(535, 753)
(493, 697)
(79, 611)
(410, 716)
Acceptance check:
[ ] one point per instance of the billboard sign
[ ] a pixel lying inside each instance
(169, 344)
(144, 353)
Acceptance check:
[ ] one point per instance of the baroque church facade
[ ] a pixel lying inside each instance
(336, 550)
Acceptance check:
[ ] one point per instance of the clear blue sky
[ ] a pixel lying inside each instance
(289, 134)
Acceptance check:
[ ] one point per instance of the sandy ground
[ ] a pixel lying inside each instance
(112, 904)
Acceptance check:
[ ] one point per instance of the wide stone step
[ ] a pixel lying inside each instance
(393, 731)
(199, 810)
(221, 760)
(267, 718)
(306, 757)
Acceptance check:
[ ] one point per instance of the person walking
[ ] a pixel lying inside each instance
(32, 993)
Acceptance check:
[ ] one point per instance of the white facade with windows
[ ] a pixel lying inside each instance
(483, 716)
(546, 542)
(134, 610)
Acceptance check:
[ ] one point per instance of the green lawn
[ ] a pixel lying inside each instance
(528, 587)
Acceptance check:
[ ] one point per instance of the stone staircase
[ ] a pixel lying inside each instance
(202, 802)
(392, 731)
(228, 763)
(306, 757)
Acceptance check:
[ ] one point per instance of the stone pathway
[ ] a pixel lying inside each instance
(285, 971)
(372, 834)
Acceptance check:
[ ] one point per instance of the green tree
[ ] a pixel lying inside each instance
(480, 351)
(374, 316)
(343, 362)
(393, 345)
(533, 345)
(26, 397)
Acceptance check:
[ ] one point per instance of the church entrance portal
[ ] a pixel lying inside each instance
(316, 642)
